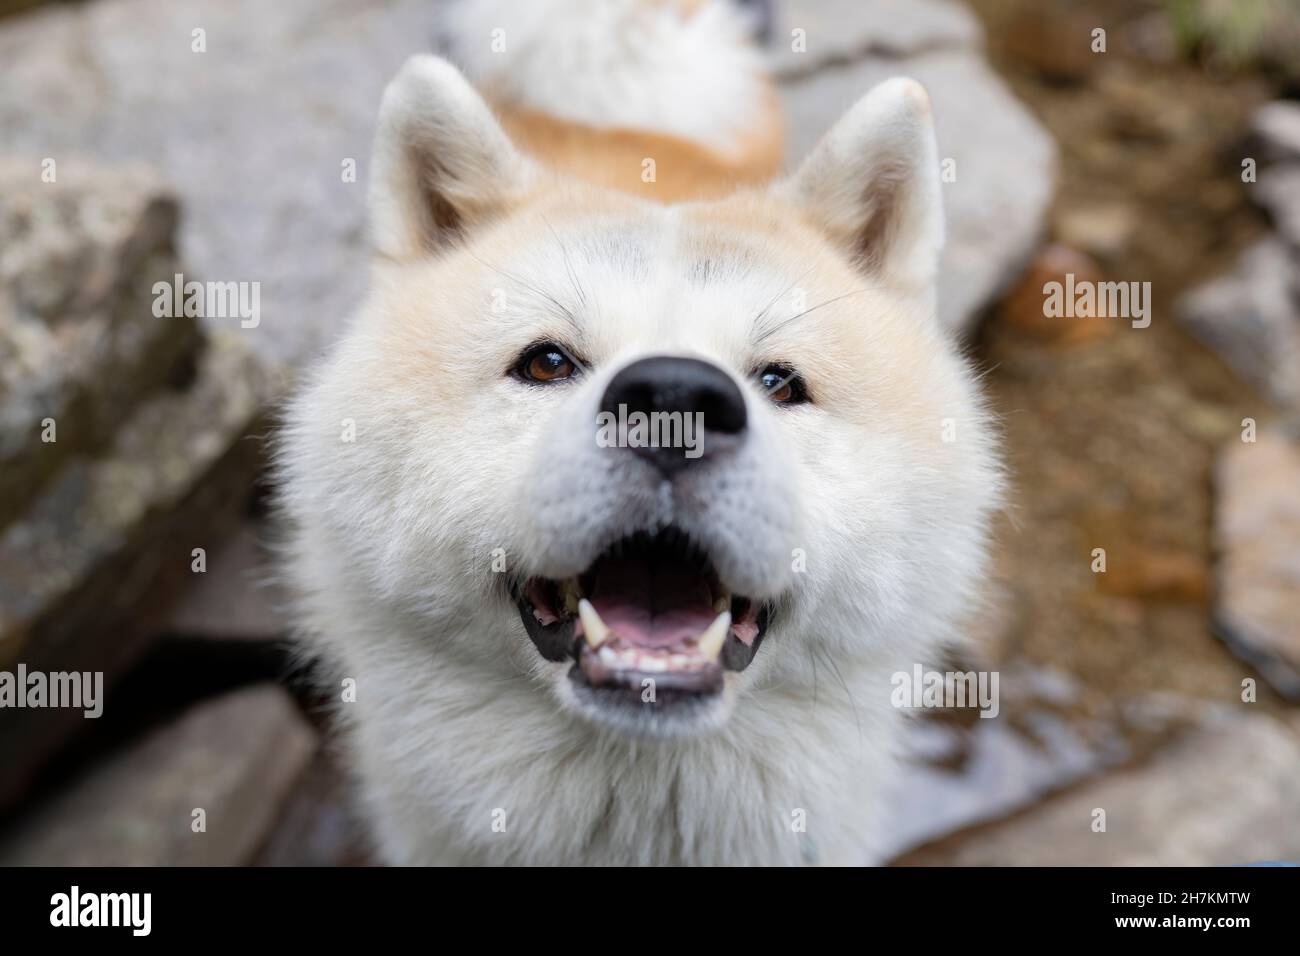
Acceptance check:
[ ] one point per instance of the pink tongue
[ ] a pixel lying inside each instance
(660, 609)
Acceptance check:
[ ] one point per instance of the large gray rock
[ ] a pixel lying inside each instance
(252, 133)
(1004, 164)
(236, 758)
(79, 344)
(1250, 317)
(1257, 536)
(87, 570)
(1227, 793)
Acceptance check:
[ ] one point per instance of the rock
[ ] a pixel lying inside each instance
(1251, 319)
(319, 826)
(1278, 191)
(836, 31)
(1004, 164)
(1277, 125)
(958, 775)
(236, 757)
(237, 597)
(1225, 794)
(1024, 307)
(1257, 534)
(287, 87)
(147, 458)
(79, 344)
(1045, 739)
(1251, 315)
(88, 570)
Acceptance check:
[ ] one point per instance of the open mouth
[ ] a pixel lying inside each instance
(651, 607)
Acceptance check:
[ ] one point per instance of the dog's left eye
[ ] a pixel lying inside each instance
(545, 363)
(783, 385)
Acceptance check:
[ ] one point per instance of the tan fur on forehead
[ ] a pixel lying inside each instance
(854, 321)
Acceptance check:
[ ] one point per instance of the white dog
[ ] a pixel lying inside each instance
(552, 643)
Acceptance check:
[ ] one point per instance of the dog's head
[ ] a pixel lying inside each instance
(657, 456)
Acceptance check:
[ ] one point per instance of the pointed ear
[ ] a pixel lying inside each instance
(441, 162)
(872, 184)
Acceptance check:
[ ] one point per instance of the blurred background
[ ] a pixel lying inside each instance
(1145, 618)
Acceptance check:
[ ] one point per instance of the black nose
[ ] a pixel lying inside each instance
(687, 387)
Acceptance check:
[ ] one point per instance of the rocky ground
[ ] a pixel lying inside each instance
(1121, 690)
(1131, 440)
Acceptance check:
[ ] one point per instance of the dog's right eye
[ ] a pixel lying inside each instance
(545, 363)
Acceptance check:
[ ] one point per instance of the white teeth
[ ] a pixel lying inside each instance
(722, 603)
(710, 642)
(593, 628)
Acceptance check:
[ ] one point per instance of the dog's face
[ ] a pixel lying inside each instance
(828, 476)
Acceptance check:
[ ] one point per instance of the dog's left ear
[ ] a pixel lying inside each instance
(442, 164)
(872, 184)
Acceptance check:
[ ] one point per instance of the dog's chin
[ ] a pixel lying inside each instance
(648, 711)
(648, 639)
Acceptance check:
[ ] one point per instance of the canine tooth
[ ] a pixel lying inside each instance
(722, 604)
(593, 628)
(710, 642)
(571, 594)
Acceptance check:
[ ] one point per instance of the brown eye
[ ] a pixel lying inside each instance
(782, 385)
(545, 363)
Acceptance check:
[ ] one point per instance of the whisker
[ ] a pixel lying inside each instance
(769, 332)
(560, 307)
(578, 290)
(763, 313)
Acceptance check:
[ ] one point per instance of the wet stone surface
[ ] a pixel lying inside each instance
(235, 758)
(1257, 531)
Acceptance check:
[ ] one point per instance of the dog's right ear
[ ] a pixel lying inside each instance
(872, 184)
(441, 162)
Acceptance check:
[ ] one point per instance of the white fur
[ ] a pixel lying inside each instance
(631, 64)
(457, 718)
